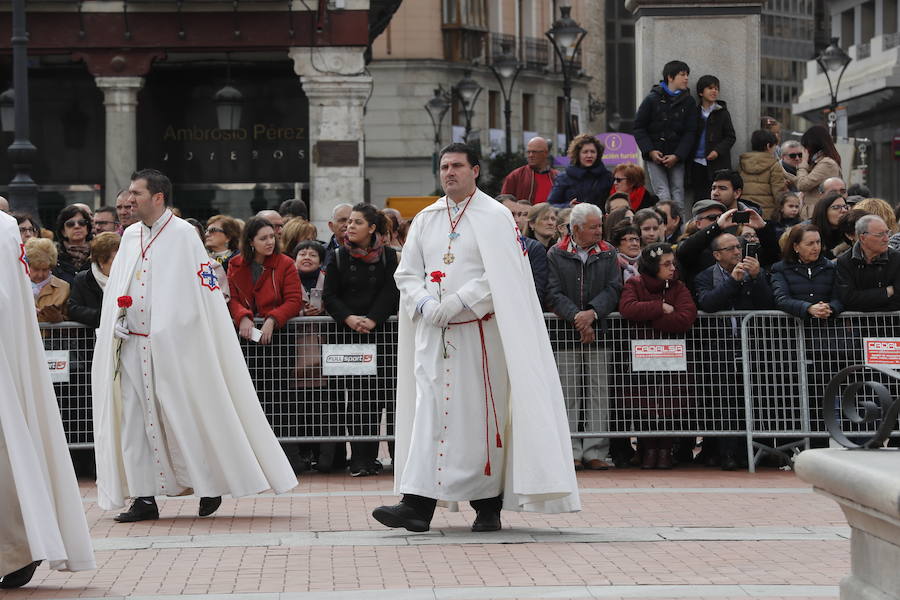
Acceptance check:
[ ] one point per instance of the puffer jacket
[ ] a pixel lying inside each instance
(590, 184)
(573, 285)
(666, 123)
(642, 301)
(797, 286)
(763, 180)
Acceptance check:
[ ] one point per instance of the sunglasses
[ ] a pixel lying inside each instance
(619, 179)
(78, 223)
(794, 155)
(214, 230)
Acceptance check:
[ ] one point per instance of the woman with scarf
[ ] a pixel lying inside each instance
(221, 238)
(629, 179)
(87, 289)
(659, 301)
(74, 234)
(360, 294)
(586, 179)
(627, 240)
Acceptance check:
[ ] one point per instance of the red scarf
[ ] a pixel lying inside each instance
(567, 244)
(369, 255)
(636, 197)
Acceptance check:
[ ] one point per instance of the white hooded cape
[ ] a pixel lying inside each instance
(539, 475)
(200, 376)
(42, 489)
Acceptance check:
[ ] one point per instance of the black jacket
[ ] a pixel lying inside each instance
(537, 258)
(586, 185)
(717, 291)
(720, 136)
(85, 299)
(863, 286)
(666, 123)
(798, 286)
(353, 287)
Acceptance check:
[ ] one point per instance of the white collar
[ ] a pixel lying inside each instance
(160, 221)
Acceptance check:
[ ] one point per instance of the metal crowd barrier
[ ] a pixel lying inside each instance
(760, 376)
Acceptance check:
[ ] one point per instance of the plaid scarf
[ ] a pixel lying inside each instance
(568, 244)
(369, 255)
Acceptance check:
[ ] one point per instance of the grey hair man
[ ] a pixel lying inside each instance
(125, 205)
(869, 275)
(791, 156)
(834, 184)
(275, 218)
(340, 215)
(583, 287)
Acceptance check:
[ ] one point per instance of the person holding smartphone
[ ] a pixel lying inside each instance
(308, 258)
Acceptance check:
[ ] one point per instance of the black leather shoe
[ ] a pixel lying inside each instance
(486, 520)
(142, 509)
(401, 515)
(209, 505)
(17, 579)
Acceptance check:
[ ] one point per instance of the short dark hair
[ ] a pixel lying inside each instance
(251, 228)
(731, 176)
(294, 208)
(859, 189)
(673, 68)
(315, 245)
(795, 234)
(645, 214)
(460, 148)
(674, 208)
(761, 139)
(616, 196)
(157, 183)
(648, 263)
(21, 217)
(706, 81)
(620, 231)
(66, 214)
(108, 209)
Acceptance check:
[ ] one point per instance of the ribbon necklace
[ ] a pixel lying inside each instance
(448, 257)
(153, 239)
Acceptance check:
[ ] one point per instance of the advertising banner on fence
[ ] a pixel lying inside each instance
(882, 352)
(58, 364)
(349, 359)
(658, 355)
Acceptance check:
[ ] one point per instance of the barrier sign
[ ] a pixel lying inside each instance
(58, 364)
(658, 355)
(349, 359)
(882, 352)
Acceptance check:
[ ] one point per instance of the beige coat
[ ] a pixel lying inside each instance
(808, 181)
(763, 179)
(55, 293)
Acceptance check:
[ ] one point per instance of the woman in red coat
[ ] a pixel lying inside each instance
(658, 299)
(264, 282)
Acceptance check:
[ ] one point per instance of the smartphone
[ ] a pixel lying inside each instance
(315, 298)
(741, 216)
(751, 249)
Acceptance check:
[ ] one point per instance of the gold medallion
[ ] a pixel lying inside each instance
(449, 258)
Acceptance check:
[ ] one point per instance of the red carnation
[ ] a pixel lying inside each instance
(124, 301)
(436, 276)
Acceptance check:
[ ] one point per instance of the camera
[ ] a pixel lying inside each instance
(741, 216)
(751, 249)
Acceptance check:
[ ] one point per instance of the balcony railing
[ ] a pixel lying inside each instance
(536, 52)
(863, 51)
(891, 40)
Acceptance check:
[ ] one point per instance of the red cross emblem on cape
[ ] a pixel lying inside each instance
(208, 278)
(22, 258)
(521, 239)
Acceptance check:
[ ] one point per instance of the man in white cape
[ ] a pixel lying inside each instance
(483, 419)
(41, 512)
(175, 411)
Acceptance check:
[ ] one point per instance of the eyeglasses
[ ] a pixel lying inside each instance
(709, 218)
(27, 230)
(78, 223)
(631, 238)
(214, 230)
(104, 223)
(728, 248)
(794, 155)
(880, 234)
(840, 207)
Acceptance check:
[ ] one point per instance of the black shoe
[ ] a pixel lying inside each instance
(375, 468)
(17, 579)
(358, 472)
(209, 505)
(401, 515)
(142, 509)
(487, 520)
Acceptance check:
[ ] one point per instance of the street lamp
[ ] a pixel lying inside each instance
(467, 90)
(566, 37)
(506, 68)
(437, 108)
(23, 192)
(833, 58)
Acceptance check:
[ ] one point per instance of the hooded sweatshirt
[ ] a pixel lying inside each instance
(763, 180)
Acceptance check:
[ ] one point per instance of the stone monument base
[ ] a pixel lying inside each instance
(866, 485)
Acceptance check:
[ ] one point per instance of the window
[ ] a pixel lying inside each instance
(465, 25)
(494, 110)
(528, 112)
(466, 13)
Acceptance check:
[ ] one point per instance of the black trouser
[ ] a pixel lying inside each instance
(425, 506)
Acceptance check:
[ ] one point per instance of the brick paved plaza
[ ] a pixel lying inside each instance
(687, 533)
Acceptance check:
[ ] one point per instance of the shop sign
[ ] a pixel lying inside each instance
(349, 359)
(658, 355)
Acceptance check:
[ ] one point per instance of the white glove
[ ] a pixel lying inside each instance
(450, 306)
(428, 309)
(121, 330)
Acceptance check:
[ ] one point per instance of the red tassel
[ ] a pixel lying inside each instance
(487, 468)
(499, 443)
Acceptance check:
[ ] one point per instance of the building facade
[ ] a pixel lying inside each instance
(869, 92)
(431, 45)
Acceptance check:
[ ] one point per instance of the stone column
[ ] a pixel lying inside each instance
(120, 100)
(334, 81)
(715, 37)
